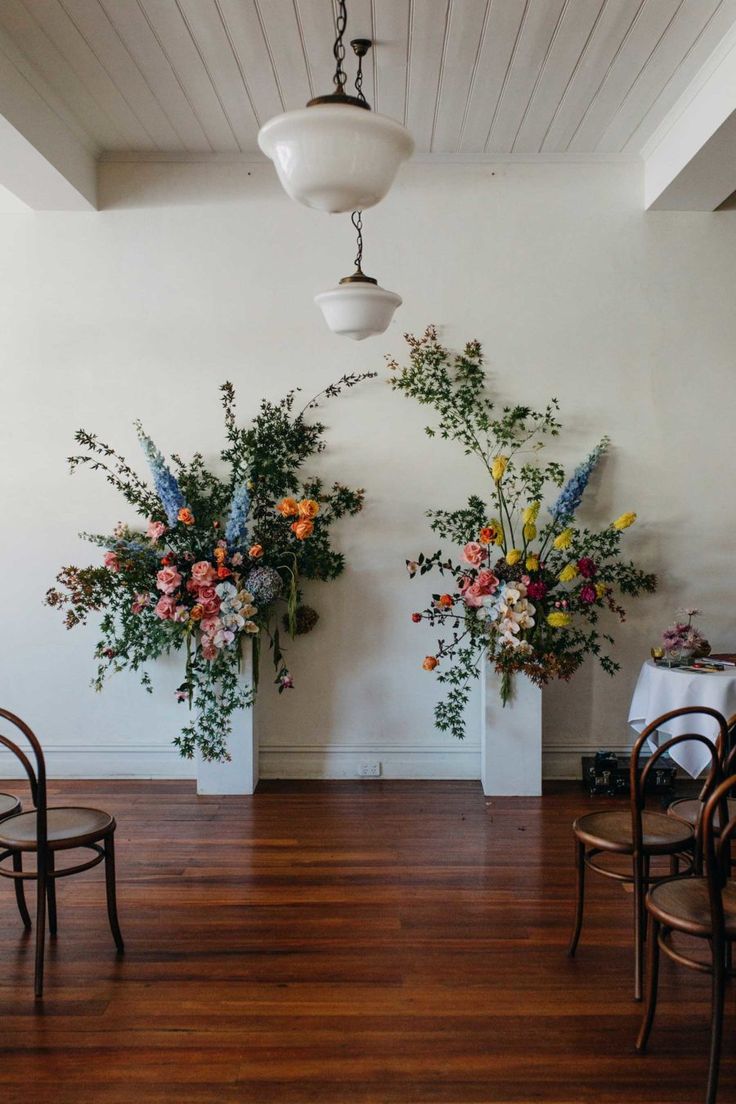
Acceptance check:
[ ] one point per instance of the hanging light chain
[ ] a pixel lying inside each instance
(357, 220)
(359, 79)
(338, 50)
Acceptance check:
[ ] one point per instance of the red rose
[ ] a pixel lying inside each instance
(416, 618)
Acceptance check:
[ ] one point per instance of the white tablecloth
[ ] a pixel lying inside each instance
(660, 689)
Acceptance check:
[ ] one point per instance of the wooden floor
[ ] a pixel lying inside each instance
(343, 943)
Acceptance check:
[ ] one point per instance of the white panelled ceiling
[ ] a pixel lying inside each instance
(470, 78)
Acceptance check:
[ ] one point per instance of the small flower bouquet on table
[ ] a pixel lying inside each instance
(682, 641)
(217, 562)
(526, 591)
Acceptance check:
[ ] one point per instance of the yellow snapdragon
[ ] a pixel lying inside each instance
(624, 521)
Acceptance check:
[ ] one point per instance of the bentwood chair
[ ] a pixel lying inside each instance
(45, 832)
(640, 835)
(690, 809)
(703, 907)
(9, 805)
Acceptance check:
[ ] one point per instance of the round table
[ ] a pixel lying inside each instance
(660, 689)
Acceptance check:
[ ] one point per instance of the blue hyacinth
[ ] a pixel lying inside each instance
(571, 494)
(166, 486)
(238, 517)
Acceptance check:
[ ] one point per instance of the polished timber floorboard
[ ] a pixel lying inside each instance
(391, 942)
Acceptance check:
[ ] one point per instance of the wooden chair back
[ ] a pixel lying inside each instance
(36, 770)
(717, 849)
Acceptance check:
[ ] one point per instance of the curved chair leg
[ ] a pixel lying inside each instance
(652, 985)
(20, 894)
(639, 918)
(51, 894)
(112, 907)
(716, 1022)
(41, 885)
(580, 867)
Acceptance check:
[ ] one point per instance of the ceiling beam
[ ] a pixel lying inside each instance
(42, 161)
(690, 161)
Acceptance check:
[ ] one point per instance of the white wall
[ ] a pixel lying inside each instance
(194, 274)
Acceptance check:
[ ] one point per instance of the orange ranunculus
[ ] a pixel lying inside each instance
(430, 663)
(308, 508)
(223, 572)
(487, 535)
(185, 516)
(287, 507)
(255, 551)
(196, 613)
(220, 554)
(444, 600)
(302, 529)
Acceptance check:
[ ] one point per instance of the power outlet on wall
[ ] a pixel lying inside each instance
(370, 770)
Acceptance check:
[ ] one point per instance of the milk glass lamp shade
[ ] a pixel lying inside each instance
(335, 156)
(358, 307)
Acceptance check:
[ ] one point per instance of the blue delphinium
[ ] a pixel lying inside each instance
(572, 493)
(166, 485)
(238, 517)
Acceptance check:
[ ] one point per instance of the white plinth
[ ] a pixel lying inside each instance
(510, 737)
(240, 774)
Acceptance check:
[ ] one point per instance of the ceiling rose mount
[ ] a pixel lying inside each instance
(336, 154)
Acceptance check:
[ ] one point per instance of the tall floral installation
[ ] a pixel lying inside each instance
(218, 561)
(527, 585)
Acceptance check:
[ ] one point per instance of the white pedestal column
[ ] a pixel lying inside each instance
(510, 737)
(240, 774)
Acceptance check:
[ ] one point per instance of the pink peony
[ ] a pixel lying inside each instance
(203, 573)
(111, 561)
(588, 594)
(587, 567)
(155, 530)
(165, 608)
(168, 580)
(474, 553)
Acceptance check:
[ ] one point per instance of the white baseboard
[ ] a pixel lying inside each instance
(311, 761)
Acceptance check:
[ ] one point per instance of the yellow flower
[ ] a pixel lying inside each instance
(513, 556)
(624, 521)
(496, 524)
(530, 531)
(532, 562)
(529, 515)
(601, 589)
(559, 620)
(498, 467)
(568, 573)
(563, 539)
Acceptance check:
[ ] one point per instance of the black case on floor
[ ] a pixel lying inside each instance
(608, 774)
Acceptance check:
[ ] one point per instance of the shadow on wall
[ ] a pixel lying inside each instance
(135, 184)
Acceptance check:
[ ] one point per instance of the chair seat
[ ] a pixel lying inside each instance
(8, 805)
(611, 830)
(683, 904)
(688, 810)
(67, 827)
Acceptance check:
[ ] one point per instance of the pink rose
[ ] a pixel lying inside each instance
(206, 593)
(203, 573)
(209, 651)
(168, 580)
(111, 561)
(474, 553)
(155, 530)
(463, 583)
(165, 608)
(210, 606)
(474, 596)
(487, 580)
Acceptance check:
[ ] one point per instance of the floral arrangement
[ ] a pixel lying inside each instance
(683, 640)
(219, 561)
(528, 592)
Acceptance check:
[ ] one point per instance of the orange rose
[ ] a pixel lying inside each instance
(430, 663)
(196, 613)
(256, 551)
(223, 572)
(185, 515)
(444, 600)
(308, 508)
(302, 529)
(220, 554)
(487, 535)
(287, 507)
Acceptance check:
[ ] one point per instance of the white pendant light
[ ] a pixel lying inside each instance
(336, 154)
(358, 307)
